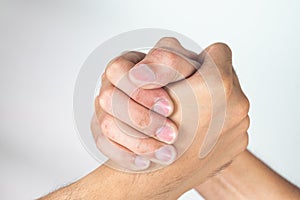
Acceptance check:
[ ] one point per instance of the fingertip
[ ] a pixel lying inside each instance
(166, 155)
(167, 134)
(141, 163)
(141, 75)
(163, 107)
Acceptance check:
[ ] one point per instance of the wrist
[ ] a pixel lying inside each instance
(106, 182)
(248, 178)
(220, 186)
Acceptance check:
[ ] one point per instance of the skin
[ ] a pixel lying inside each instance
(226, 161)
(215, 65)
(259, 182)
(231, 182)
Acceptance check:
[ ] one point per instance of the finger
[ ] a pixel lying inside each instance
(135, 141)
(217, 62)
(216, 73)
(116, 103)
(120, 156)
(237, 107)
(224, 150)
(167, 62)
(116, 72)
(237, 136)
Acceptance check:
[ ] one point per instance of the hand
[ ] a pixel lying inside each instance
(188, 171)
(109, 126)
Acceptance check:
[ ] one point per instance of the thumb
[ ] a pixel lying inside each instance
(167, 62)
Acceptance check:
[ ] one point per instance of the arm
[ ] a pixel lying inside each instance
(248, 178)
(107, 183)
(188, 170)
(97, 184)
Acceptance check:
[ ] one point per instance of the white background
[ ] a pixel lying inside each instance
(44, 43)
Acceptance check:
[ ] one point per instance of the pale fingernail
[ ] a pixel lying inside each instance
(166, 154)
(162, 107)
(166, 134)
(141, 74)
(141, 162)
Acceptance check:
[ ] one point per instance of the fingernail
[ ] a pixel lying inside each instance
(141, 162)
(166, 134)
(141, 74)
(162, 107)
(166, 154)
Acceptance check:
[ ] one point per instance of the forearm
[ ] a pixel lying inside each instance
(248, 178)
(107, 183)
(102, 183)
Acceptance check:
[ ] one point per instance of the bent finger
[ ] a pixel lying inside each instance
(116, 103)
(119, 156)
(116, 72)
(166, 63)
(137, 142)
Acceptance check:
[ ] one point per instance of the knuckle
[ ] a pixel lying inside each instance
(245, 124)
(163, 55)
(243, 107)
(94, 127)
(227, 84)
(138, 115)
(246, 105)
(241, 142)
(143, 121)
(133, 56)
(103, 77)
(144, 146)
(168, 41)
(114, 65)
(140, 147)
(245, 141)
(138, 94)
(221, 47)
(105, 97)
(105, 93)
(169, 60)
(106, 124)
(239, 106)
